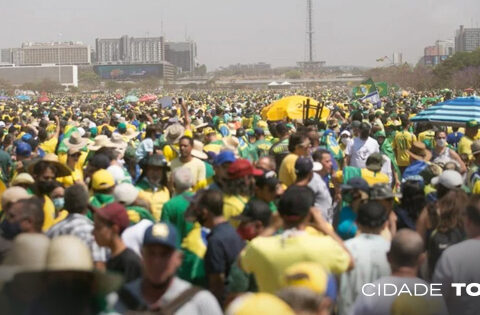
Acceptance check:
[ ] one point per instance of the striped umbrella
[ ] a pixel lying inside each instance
(452, 112)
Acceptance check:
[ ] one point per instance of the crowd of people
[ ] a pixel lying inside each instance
(207, 207)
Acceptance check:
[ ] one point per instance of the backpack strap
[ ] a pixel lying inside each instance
(179, 301)
(131, 301)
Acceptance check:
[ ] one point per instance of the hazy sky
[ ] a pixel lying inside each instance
(347, 32)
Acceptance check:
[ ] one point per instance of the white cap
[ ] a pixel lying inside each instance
(345, 132)
(317, 166)
(449, 179)
(125, 193)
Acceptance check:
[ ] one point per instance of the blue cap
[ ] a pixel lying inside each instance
(23, 149)
(224, 157)
(161, 234)
(357, 183)
(26, 137)
(259, 131)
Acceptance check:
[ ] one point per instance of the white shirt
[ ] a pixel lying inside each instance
(323, 199)
(133, 235)
(359, 150)
(387, 168)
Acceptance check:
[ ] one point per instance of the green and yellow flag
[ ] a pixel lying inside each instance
(382, 88)
(365, 88)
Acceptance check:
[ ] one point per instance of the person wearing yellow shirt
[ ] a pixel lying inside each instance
(267, 258)
(45, 171)
(153, 184)
(195, 165)
(402, 143)
(49, 144)
(464, 145)
(173, 134)
(298, 145)
(75, 159)
(371, 174)
(238, 188)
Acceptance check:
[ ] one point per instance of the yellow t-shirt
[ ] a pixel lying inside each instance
(232, 206)
(156, 200)
(426, 135)
(465, 147)
(403, 141)
(370, 177)
(286, 173)
(268, 257)
(197, 167)
(171, 153)
(48, 213)
(50, 145)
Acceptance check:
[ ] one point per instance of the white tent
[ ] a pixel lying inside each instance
(273, 84)
(286, 83)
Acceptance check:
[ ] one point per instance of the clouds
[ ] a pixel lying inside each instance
(227, 32)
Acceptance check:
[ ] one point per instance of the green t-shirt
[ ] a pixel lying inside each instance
(173, 212)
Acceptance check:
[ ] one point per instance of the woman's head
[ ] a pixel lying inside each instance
(449, 209)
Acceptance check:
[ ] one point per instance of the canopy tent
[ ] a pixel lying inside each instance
(130, 99)
(293, 107)
(286, 83)
(456, 111)
(273, 84)
(148, 98)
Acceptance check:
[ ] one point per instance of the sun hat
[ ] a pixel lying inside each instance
(76, 142)
(231, 144)
(22, 179)
(100, 142)
(13, 194)
(197, 150)
(173, 133)
(131, 134)
(118, 142)
(419, 151)
(449, 179)
(51, 158)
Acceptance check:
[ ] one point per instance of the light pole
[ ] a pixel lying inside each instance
(58, 56)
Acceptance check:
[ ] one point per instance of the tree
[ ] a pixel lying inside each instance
(201, 70)
(293, 74)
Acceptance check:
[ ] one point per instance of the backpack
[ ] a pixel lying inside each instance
(439, 241)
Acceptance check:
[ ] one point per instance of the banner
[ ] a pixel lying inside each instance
(373, 98)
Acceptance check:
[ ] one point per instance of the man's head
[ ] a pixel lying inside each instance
(266, 163)
(383, 194)
(266, 186)
(206, 206)
(186, 146)
(374, 162)
(471, 129)
(109, 223)
(299, 144)
(221, 163)
(156, 169)
(182, 179)
(355, 192)
(103, 182)
(161, 259)
(365, 130)
(472, 217)
(372, 217)
(254, 219)
(325, 158)
(76, 199)
(294, 206)
(406, 251)
(304, 169)
(448, 180)
(476, 150)
(23, 216)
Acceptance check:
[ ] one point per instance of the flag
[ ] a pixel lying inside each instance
(373, 98)
(382, 59)
(365, 88)
(382, 88)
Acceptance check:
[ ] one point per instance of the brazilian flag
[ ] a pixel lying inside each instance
(382, 88)
(365, 88)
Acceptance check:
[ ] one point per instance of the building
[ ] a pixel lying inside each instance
(182, 55)
(122, 71)
(67, 53)
(12, 56)
(467, 39)
(67, 75)
(397, 59)
(129, 50)
(433, 55)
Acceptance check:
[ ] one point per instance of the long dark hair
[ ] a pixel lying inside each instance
(413, 198)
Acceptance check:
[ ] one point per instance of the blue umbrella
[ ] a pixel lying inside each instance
(456, 111)
(23, 98)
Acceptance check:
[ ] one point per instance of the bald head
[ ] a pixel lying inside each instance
(406, 248)
(267, 163)
(182, 179)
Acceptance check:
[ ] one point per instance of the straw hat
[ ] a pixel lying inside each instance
(100, 142)
(174, 132)
(76, 142)
(131, 134)
(230, 144)
(22, 179)
(62, 169)
(13, 194)
(419, 151)
(197, 150)
(117, 141)
(67, 253)
(28, 254)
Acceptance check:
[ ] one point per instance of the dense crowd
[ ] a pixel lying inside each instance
(204, 206)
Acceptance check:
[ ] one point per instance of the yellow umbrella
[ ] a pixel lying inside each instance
(292, 107)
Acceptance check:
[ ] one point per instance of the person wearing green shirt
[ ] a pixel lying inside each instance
(261, 144)
(173, 210)
(103, 184)
(266, 189)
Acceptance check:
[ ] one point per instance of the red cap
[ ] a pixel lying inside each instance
(116, 213)
(241, 168)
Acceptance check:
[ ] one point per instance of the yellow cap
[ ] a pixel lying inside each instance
(307, 275)
(208, 130)
(102, 179)
(259, 303)
(262, 124)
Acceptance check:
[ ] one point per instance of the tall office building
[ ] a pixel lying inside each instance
(68, 53)
(439, 52)
(467, 39)
(129, 50)
(182, 55)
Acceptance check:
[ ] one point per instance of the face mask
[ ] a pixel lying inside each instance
(441, 142)
(59, 203)
(10, 230)
(345, 141)
(247, 232)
